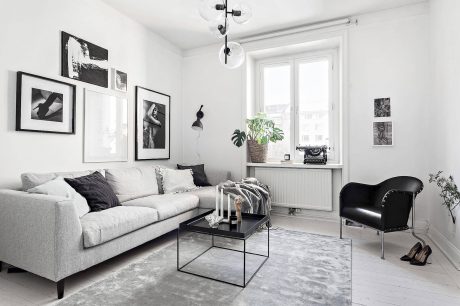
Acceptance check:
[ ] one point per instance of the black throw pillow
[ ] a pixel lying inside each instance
(95, 189)
(199, 176)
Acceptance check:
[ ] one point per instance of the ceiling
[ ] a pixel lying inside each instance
(179, 22)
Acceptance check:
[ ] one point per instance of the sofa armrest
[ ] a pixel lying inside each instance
(353, 194)
(36, 231)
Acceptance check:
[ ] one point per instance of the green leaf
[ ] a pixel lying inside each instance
(238, 138)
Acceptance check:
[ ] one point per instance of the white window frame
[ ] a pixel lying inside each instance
(334, 110)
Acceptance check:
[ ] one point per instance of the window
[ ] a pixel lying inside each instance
(299, 94)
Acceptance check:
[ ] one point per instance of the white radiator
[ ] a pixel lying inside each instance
(298, 188)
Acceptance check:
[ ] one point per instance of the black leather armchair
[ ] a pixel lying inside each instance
(384, 207)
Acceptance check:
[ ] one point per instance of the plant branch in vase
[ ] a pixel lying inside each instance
(449, 191)
(261, 131)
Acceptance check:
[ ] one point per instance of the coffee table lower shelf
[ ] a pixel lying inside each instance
(245, 283)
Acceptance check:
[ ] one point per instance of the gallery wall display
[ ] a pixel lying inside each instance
(119, 80)
(153, 116)
(44, 105)
(84, 61)
(382, 108)
(106, 128)
(383, 133)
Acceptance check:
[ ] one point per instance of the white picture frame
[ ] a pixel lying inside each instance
(105, 128)
(119, 80)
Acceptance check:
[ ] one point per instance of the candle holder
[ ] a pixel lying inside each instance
(220, 205)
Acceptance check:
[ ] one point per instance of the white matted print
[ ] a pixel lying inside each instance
(383, 133)
(152, 124)
(119, 80)
(44, 105)
(106, 128)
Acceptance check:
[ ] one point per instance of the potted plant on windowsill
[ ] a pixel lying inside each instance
(261, 131)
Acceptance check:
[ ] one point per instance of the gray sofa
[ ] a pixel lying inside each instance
(44, 235)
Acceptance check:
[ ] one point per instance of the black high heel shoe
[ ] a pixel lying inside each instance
(422, 256)
(415, 249)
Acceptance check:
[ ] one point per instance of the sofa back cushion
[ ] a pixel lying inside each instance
(58, 187)
(31, 180)
(132, 183)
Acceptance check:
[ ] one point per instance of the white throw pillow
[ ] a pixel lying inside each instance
(59, 187)
(177, 180)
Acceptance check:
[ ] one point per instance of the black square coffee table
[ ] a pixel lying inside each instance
(248, 226)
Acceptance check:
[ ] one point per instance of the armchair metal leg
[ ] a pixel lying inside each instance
(382, 242)
(341, 224)
(60, 289)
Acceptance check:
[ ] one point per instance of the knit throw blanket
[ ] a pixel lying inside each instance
(256, 196)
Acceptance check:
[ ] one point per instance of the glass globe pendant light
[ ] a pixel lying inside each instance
(242, 12)
(219, 26)
(232, 54)
(211, 9)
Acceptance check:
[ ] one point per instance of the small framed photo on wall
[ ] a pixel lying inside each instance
(153, 116)
(119, 80)
(383, 133)
(44, 105)
(382, 108)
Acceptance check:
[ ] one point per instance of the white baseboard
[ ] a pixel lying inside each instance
(447, 248)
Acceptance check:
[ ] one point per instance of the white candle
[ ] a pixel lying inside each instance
(217, 201)
(228, 207)
(222, 202)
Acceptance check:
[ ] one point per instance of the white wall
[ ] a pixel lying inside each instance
(388, 57)
(205, 81)
(445, 25)
(30, 42)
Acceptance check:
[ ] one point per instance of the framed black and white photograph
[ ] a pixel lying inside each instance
(106, 128)
(119, 80)
(44, 105)
(84, 61)
(383, 133)
(152, 124)
(382, 108)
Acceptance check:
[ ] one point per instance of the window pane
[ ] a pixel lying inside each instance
(314, 103)
(277, 105)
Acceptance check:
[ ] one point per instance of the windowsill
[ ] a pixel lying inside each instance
(294, 165)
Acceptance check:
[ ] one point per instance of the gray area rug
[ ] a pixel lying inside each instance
(303, 269)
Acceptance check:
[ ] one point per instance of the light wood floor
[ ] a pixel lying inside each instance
(375, 281)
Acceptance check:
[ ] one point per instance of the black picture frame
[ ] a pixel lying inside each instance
(94, 58)
(19, 90)
(136, 125)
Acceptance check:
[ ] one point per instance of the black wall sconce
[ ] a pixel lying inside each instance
(198, 125)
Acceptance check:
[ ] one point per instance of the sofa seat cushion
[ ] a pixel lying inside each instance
(207, 196)
(102, 226)
(167, 205)
(367, 215)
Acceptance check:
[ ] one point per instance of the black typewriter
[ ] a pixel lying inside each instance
(314, 154)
